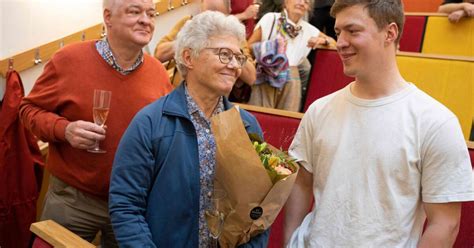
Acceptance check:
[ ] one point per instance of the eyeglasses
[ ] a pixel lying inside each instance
(226, 55)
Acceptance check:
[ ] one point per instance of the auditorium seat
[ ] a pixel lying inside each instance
(444, 37)
(466, 230)
(40, 243)
(448, 79)
(279, 126)
(326, 76)
(413, 32)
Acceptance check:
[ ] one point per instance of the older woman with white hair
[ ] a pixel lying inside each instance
(163, 171)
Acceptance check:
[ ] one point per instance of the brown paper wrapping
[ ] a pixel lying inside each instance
(241, 174)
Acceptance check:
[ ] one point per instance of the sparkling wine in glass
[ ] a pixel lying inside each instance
(215, 216)
(100, 110)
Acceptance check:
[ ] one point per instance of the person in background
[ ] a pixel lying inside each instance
(246, 11)
(59, 110)
(162, 177)
(165, 48)
(300, 37)
(268, 6)
(321, 17)
(379, 156)
(457, 9)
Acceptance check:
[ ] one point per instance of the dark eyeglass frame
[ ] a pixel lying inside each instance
(226, 54)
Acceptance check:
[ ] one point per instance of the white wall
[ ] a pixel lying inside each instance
(26, 24)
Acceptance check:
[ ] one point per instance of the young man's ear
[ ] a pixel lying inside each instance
(392, 33)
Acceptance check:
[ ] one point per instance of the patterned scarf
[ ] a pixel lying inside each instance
(287, 28)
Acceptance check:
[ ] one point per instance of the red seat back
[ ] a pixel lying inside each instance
(327, 76)
(413, 31)
(466, 230)
(278, 130)
(40, 243)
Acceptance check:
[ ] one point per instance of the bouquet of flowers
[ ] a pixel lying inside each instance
(257, 184)
(276, 162)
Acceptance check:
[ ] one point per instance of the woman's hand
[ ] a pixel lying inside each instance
(455, 16)
(250, 12)
(321, 41)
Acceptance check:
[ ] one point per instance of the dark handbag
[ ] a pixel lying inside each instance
(240, 92)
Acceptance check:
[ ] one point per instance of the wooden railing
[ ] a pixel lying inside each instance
(437, 56)
(57, 235)
(43, 53)
(425, 14)
(470, 144)
(279, 112)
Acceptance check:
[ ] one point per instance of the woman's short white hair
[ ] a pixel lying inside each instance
(196, 33)
(309, 13)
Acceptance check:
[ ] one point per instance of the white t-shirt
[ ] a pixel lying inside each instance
(297, 48)
(373, 164)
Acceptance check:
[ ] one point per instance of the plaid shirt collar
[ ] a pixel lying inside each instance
(104, 50)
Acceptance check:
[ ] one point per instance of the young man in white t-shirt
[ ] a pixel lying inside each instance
(379, 156)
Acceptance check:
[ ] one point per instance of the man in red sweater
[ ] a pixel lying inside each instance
(59, 110)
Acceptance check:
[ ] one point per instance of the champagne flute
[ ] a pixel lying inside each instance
(100, 110)
(215, 215)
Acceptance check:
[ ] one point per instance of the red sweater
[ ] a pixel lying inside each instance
(64, 93)
(240, 6)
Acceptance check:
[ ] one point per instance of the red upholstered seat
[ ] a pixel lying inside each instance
(278, 130)
(413, 31)
(40, 243)
(327, 76)
(466, 230)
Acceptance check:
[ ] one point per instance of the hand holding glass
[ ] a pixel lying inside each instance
(100, 110)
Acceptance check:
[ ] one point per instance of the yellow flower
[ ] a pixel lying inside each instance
(274, 161)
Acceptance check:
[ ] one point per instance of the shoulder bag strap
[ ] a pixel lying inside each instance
(273, 25)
